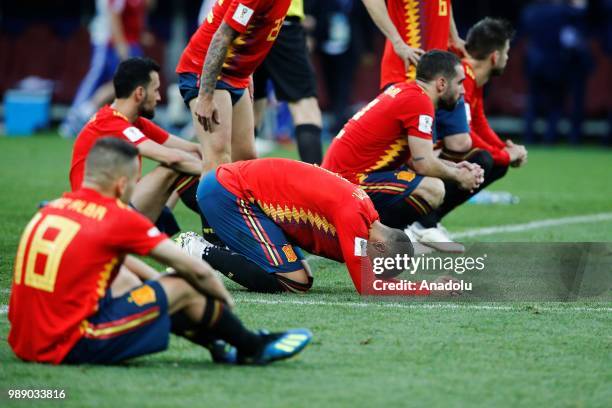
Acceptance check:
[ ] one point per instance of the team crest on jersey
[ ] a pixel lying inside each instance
(406, 175)
(289, 253)
(142, 296)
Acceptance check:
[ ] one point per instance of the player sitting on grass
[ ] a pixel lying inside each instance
(74, 300)
(387, 148)
(488, 43)
(136, 85)
(264, 209)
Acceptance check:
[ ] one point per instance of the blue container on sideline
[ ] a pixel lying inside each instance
(26, 111)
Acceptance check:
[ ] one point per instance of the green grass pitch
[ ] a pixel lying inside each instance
(502, 354)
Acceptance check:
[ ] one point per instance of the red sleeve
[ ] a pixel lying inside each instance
(134, 233)
(417, 121)
(480, 124)
(500, 156)
(239, 14)
(353, 238)
(353, 234)
(152, 131)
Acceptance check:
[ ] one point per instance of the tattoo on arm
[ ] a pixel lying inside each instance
(414, 159)
(215, 57)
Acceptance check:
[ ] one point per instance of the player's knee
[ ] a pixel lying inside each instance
(483, 159)
(306, 112)
(432, 190)
(178, 291)
(296, 282)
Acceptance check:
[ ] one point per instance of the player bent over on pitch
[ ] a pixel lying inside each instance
(265, 210)
(387, 148)
(73, 300)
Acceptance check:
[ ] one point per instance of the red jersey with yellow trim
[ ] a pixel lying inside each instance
(482, 135)
(133, 15)
(422, 24)
(258, 23)
(67, 257)
(316, 209)
(109, 122)
(376, 137)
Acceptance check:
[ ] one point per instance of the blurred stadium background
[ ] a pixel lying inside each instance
(45, 45)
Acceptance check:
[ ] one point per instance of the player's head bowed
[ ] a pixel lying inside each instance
(138, 78)
(442, 71)
(489, 39)
(391, 243)
(112, 168)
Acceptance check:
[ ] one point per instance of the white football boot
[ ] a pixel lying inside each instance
(192, 244)
(437, 238)
(419, 248)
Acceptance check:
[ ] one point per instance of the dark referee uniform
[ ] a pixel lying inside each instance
(287, 64)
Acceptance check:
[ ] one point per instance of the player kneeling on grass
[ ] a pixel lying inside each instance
(265, 210)
(74, 300)
(488, 43)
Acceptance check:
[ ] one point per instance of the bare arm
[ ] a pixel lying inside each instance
(454, 38)
(118, 35)
(425, 163)
(198, 273)
(215, 57)
(175, 142)
(205, 108)
(379, 14)
(174, 158)
(140, 269)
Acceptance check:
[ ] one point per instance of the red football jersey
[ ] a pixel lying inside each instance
(133, 15)
(319, 211)
(257, 21)
(109, 122)
(68, 255)
(482, 135)
(422, 24)
(376, 137)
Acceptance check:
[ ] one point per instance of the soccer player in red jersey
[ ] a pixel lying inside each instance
(74, 299)
(215, 70)
(265, 210)
(387, 147)
(487, 46)
(412, 27)
(137, 84)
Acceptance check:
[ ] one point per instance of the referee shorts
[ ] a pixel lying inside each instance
(287, 66)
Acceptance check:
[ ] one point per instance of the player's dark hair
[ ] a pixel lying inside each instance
(488, 35)
(436, 63)
(132, 73)
(109, 158)
(396, 243)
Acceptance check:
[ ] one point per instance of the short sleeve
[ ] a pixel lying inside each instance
(152, 131)
(419, 120)
(240, 13)
(353, 232)
(134, 233)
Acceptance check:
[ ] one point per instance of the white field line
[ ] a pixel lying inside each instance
(420, 306)
(581, 219)
(395, 305)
